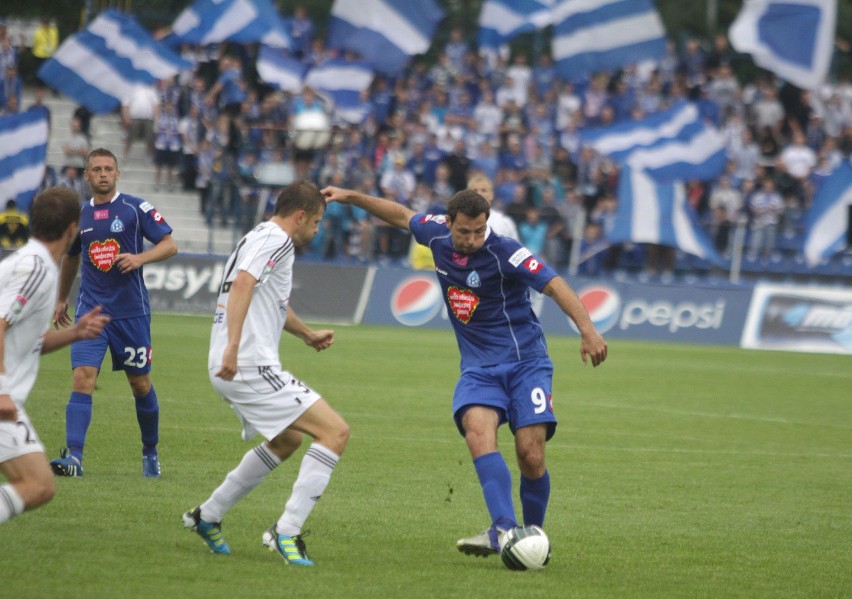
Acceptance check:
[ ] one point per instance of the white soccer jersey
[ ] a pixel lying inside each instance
(266, 253)
(503, 225)
(28, 280)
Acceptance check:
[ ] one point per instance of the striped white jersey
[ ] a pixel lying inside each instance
(28, 287)
(266, 253)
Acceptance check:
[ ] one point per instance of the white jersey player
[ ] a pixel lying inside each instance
(497, 221)
(252, 309)
(28, 285)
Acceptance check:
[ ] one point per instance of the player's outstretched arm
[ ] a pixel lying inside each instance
(592, 344)
(88, 326)
(390, 212)
(320, 339)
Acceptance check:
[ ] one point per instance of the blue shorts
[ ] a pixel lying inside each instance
(520, 392)
(129, 343)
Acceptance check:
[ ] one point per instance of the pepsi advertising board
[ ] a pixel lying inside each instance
(808, 319)
(713, 315)
(688, 314)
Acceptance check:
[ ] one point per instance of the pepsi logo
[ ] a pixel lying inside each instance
(416, 301)
(603, 305)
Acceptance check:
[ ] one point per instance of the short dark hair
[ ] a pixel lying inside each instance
(469, 203)
(100, 152)
(299, 195)
(52, 211)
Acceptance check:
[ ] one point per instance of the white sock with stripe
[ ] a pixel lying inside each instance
(255, 465)
(314, 474)
(11, 504)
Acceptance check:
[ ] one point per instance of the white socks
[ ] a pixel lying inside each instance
(314, 474)
(11, 504)
(256, 464)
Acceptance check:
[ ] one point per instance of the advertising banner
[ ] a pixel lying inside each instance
(807, 319)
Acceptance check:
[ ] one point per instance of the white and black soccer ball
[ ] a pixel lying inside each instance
(525, 548)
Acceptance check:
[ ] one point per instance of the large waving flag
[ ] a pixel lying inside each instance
(827, 221)
(605, 35)
(649, 212)
(673, 145)
(279, 70)
(97, 66)
(502, 20)
(386, 33)
(241, 21)
(23, 153)
(341, 80)
(792, 38)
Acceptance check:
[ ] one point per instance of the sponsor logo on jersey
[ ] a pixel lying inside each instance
(462, 302)
(101, 214)
(416, 301)
(519, 256)
(441, 271)
(473, 279)
(102, 254)
(158, 218)
(117, 226)
(435, 218)
(146, 207)
(603, 305)
(460, 259)
(87, 230)
(533, 264)
(18, 305)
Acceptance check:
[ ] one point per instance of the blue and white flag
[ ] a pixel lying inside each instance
(673, 145)
(23, 153)
(99, 65)
(605, 35)
(502, 20)
(241, 21)
(792, 38)
(386, 33)
(827, 220)
(342, 81)
(279, 70)
(649, 212)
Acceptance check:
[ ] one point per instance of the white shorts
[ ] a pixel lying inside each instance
(266, 399)
(18, 438)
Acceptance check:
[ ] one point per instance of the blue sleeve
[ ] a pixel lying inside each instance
(154, 226)
(425, 227)
(522, 264)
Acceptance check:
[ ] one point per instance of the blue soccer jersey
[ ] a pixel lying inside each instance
(106, 230)
(487, 294)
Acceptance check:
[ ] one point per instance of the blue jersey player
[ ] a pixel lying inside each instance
(110, 252)
(506, 372)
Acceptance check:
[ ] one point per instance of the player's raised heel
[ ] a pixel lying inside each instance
(211, 532)
(66, 464)
(292, 549)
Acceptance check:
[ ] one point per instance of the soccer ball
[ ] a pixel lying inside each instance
(525, 548)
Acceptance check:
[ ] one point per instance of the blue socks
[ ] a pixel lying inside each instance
(148, 416)
(78, 416)
(534, 496)
(496, 482)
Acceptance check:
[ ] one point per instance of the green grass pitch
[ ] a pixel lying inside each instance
(677, 471)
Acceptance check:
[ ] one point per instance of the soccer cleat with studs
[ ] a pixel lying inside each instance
(211, 532)
(292, 549)
(483, 544)
(150, 466)
(66, 464)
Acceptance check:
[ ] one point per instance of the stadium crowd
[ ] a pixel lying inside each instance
(418, 138)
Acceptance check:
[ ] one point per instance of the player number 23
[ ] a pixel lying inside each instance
(539, 399)
(136, 356)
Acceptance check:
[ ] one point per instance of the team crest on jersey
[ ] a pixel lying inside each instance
(473, 279)
(460, 259)
(18, 305)
(117, 226)
(435, 218)
(462, 302)
(102, 254)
